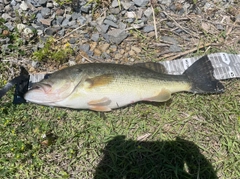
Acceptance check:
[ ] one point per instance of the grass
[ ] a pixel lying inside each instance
(186, 137)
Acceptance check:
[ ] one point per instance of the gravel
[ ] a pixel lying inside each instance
(125, 24)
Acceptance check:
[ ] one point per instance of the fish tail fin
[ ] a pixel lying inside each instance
(201, 76)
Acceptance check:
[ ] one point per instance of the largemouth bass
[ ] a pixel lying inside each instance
(105, 86)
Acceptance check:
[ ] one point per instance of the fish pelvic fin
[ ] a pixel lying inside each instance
(163, 96)
(100, 105)
(201, 76)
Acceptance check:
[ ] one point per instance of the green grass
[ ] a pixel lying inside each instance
(189, 136)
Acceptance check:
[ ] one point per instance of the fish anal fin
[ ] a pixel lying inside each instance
(164, 95)
(100, 80)
(157, 67)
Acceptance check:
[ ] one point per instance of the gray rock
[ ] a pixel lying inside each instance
(49, 5)
(85, 47)
(237, 18)
(130, 20)
(165, 2)
(42, 2)
(75, 15)
(114, 3)
(112, 18)
(220, 27)
(39, 17)
(115, 11)
(61, 32)
(72, 24)
(86, 8)
(95, 37)
(169, 39)
(104, 28)
(141, 2)
(170, 24)
(66, 20)
(24, 6)
(110, 23)
(46, 12)
(6, 16)
(9, 26)
(116, 36)
(122, 25)
(81, 20)
(59, 20)
(174, 48)
(126, 5)
(89, 53)
(35, 64)
(72, 40)
(148, 28)
(4, 41)
(148, 12)
(51, 30)
(13, 3)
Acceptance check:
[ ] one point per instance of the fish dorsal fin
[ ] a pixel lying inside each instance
(157, 67)
(164, 95)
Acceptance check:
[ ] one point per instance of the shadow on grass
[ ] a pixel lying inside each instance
(128, 159)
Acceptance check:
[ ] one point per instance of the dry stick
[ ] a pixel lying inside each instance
(70, 32)
(171, 57)
(180, 25)
(154, 21)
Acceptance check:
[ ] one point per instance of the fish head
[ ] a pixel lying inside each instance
(56, 88)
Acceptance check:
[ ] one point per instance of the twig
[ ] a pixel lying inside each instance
(154, 21)
(173, 56)
(70, 32)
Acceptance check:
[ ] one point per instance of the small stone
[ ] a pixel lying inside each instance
(169, 39)
(104, 28)
(141, 2)
(118, 56)
(24, 6)
(75, 15)
(46, 12)
(6, 16)
(126, 5)
(220, 27)
(59, 12)
(9, 26)
(61, 32)
(131, 53)
(49, 5)
(151, 34)
(86, 8)
(170, 24)
(166, 2)
(42, 2)
(131, 14)
(51, 30)
(81, 20)
(35, 64)
(174, 48)
(122, 25)
(72, 40)
(59, 20)
(116, 36)
(97, 52)
(114, 3)
(115, 10)
(112, 18)
(46, 22)
(13, 3)
(85, 47)
(136, 49)
(21, 27)
(71, 23)
(95, 37)
(104, 47)
(148, 12)
(110, 23)
(65, 22)
(28, 32)
(148, 28)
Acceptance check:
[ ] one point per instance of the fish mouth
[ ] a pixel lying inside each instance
(40, 93)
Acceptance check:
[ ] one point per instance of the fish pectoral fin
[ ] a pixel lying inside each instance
(164, 95)
(100, 105)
